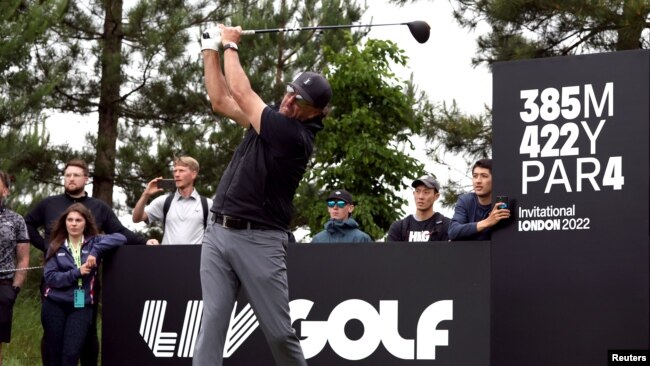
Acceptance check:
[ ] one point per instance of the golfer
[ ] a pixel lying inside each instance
(245, 247)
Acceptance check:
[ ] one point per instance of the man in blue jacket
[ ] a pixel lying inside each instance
(341, 227)
(475, 214)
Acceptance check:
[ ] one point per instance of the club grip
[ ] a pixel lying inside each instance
(247, 32)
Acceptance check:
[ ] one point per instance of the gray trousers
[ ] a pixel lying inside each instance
(255, 261)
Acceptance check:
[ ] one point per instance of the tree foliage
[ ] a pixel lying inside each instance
(22, 24)
(362, 148)
(543, 28)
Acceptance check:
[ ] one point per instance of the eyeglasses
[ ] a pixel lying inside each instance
(340, 204)
(300, 100)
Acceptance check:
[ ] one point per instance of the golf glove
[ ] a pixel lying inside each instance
(211, 39)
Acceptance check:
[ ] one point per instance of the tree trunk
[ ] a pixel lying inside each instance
(109, 103)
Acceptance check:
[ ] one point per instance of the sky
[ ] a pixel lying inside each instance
(441, 67)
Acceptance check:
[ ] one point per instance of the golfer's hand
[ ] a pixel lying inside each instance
(230, 34)
(210, 39)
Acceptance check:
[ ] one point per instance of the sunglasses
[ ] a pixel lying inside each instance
(300, 100)
(341, 204)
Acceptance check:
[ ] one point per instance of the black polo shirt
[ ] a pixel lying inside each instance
(263, 175)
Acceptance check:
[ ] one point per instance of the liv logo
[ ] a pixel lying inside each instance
(163, 344)
(380, 326)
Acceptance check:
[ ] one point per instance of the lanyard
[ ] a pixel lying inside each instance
(76, 256)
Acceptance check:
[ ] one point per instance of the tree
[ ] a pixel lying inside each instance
(450, 131)
(22, 23)
(270, 60)
(362, 145)
(533, 29)
(135, 67)
(115, 62)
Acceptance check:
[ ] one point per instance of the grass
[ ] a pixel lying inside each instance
(26, 329)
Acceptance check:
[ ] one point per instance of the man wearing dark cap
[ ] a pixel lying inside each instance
(426, 224)
(341, 227)
(245, 247)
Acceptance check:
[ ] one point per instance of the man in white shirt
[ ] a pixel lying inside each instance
(183, 213)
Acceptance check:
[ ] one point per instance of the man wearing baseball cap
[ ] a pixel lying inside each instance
(426, 224)
(245, 247)
(341, 227)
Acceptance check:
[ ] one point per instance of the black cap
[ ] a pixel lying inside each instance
(314, 88)
(427, 181)
(340, 194)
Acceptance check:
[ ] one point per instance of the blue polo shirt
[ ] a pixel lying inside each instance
(263, 175)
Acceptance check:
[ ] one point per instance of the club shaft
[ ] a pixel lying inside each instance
(320, 27)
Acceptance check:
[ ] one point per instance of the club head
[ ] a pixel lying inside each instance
(420, 30)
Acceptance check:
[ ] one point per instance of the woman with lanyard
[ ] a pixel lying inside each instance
(70, 274)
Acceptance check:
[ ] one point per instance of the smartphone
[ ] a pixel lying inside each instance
(503, 200)
(168, 184)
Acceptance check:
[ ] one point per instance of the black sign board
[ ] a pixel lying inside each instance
(363, 304)
(570, 271)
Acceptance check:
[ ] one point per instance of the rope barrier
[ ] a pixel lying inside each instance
(19, 269)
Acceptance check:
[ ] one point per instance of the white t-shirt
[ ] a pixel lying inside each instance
(184, 224)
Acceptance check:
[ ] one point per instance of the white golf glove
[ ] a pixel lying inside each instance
(211, 39)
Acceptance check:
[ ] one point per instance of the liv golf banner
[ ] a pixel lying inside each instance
(570, 270)
(388, 304)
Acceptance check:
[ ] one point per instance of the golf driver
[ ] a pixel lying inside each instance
(419, 29)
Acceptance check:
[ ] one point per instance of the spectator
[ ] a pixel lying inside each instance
(70, 275)
(183, 213)
(14, 255)
(475, 215)
(426, 224)
(46, 212)
(341, 227)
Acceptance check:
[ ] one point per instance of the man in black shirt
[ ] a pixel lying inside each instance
(426, 224)
(245, 248)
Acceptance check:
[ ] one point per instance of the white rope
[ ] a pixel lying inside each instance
(19, 269)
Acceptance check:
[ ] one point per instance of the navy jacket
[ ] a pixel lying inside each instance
(62, 274)
(467, 214)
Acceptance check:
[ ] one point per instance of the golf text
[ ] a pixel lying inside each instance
(380, 326)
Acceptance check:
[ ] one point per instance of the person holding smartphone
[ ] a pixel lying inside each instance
(183, 212)
(475, 215)
(341, 227)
